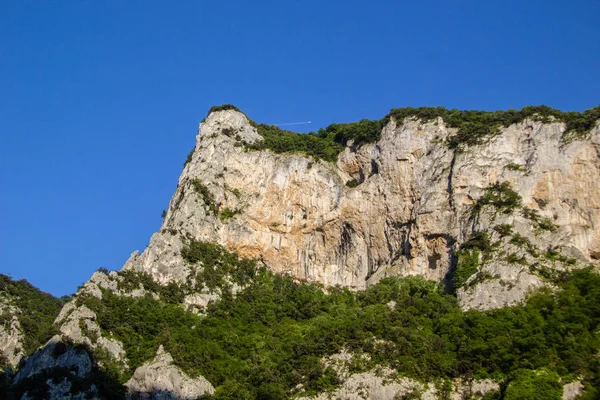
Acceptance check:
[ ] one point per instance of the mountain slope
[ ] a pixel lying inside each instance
(249, 287)
(26, 317)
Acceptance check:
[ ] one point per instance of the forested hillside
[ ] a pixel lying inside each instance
(33, 310)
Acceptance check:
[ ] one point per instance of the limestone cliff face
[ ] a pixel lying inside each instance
(411, 209)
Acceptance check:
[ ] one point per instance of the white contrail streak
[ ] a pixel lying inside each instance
(293, 123)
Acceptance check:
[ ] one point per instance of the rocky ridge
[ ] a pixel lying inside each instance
(410, 213)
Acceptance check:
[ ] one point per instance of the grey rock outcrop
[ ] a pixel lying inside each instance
(388, 384)
(55, 354)
(379, 385)
(78, 323)
(160, 379)
(572, 390)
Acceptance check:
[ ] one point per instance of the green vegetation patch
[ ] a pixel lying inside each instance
(38, 311)
(270, 337)
(534, 385)
(222, 107)
(501, 196)
(553, 254)
(504, 229)
(515, 167)
(541, 223)
(474, 128)
(205, 194)
(228, 213)
(352, 183)
(477, 248)
(466, 266)
(361, 132)
(130, 280)
(320, 146)
(189, 157)
(218, 267)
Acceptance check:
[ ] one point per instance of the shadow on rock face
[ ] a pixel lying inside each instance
(61, 370)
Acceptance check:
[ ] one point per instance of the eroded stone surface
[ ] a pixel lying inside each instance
(381, 384)
(159, 379)
(572, 390)
(197, 302)
(387, 384)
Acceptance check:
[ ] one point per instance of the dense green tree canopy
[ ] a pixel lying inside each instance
(269, 337)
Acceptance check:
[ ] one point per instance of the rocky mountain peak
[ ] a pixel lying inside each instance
(423, 215)
(399, 206)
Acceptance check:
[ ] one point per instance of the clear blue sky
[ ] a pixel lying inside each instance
(100, 100)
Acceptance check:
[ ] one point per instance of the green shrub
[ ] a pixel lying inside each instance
(553, 254)
(579, 124)
(519, 240)
(228, 213)
(503, 229)
(540, 223)
(531, 214)
(172, 293)
(478, 246)
(206, 196)
(222, 107)
(361, 132)
(320, 146)
(65, 298)
(478, 240)
(534, 385)
(474, 128)
(546, 224)
(515, 167)
(501, 196)
(466, 266)
(492, 395)
(218, 264)
(513, 258)
(189, 157)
